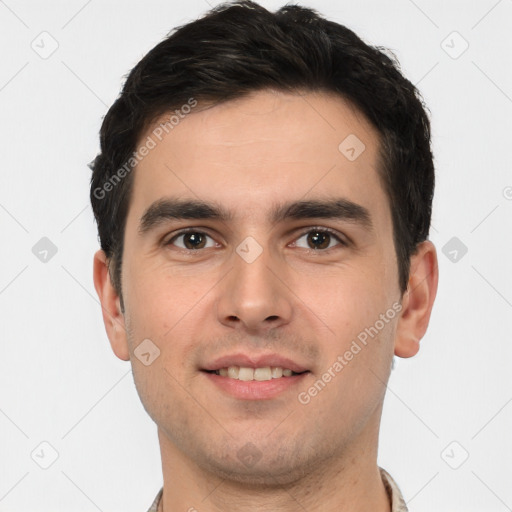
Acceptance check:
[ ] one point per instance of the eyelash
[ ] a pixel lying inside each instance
(342, 242)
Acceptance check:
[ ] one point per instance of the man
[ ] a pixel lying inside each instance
(263, 197)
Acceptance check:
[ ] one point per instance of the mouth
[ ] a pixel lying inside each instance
(246, 374)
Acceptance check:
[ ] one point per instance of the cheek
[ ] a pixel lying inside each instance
(167, 307)
(358, 309)
(346, 301)
(156, 298)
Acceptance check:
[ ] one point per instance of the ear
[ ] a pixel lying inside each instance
(417, 300)
(113, 318)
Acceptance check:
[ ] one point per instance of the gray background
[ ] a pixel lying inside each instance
(448, 415)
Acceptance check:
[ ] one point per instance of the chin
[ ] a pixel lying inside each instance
(257, 477)
(253, 468)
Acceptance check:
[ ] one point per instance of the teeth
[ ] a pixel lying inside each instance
(233, 372)
(260, 374)
(277, 372)
(263, 373)
(245, 374)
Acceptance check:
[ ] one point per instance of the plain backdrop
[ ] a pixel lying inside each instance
(73, 433)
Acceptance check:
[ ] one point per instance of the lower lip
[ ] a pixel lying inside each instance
(255, 389)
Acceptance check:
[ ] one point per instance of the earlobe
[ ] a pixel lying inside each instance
(418, 300)
(113, 318)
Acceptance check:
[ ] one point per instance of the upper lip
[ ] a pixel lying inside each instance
(254, 361)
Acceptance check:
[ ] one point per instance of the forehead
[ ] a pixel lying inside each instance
(261, 150)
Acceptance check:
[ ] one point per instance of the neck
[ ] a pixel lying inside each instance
(350, 483)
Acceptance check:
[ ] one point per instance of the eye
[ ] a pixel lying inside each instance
(320, 239)
(317, 239)
(192, 240)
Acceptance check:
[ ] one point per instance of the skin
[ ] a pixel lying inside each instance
(293, 300)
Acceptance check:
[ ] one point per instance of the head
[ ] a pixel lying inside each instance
(246, 127)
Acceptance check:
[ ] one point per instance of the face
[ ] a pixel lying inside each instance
(289, 263)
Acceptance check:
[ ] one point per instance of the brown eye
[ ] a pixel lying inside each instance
(320, 239)
(191, 240)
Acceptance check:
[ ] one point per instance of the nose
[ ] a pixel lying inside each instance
(254, 296)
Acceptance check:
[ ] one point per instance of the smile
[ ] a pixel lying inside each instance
(245, 373)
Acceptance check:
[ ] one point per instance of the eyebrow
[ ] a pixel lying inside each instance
(179, 209)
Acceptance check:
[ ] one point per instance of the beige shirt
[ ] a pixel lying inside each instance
(395, 496)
